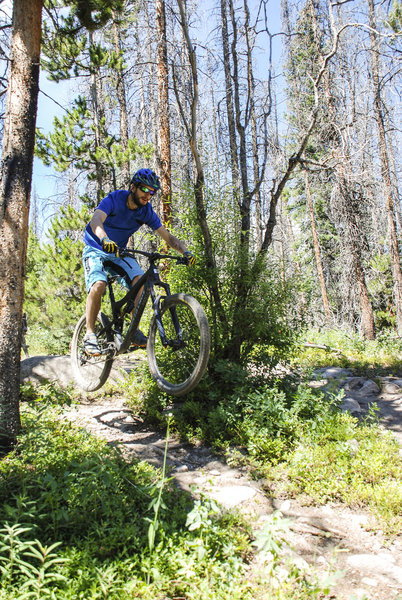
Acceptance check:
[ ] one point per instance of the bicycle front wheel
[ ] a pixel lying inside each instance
(178, 367)
(91, 372)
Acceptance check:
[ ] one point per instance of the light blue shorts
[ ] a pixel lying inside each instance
(95, 269)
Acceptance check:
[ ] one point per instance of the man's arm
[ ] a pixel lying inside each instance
(170, 239)
(96, 223)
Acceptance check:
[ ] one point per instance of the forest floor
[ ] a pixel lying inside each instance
(323, 539)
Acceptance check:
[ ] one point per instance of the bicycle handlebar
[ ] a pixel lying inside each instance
(153, 256)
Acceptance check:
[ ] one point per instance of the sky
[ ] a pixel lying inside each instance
(52, 97)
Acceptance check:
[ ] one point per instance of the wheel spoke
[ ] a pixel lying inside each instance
(90, 372)
(177, 368)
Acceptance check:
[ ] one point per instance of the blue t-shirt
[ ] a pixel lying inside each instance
(121, 222)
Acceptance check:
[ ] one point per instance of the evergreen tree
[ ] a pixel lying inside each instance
(88, 135)
(55, 289)
(73, 142)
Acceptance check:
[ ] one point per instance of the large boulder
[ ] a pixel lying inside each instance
(50, 368)
(58, 369)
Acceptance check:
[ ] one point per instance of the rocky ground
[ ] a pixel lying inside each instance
(319, 538)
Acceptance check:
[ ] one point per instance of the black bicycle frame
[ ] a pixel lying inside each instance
(148, 280)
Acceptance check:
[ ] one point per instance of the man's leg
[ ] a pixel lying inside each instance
(138, 296)
(139, 338)
(93, 304)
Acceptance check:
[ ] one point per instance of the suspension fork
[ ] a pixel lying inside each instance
(156, 304)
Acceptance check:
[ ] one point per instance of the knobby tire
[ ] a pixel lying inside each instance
(90, 373)
(177, 372)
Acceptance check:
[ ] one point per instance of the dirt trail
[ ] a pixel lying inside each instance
(319, 537)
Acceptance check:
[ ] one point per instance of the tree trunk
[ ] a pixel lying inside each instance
(348, 207)
(385, 171)
(150, 100)
(122, 98)
(164, 158)
(353, 238)
(16, 179)
(229, 101)
(317, 252)
(199, 187)
(97, 115)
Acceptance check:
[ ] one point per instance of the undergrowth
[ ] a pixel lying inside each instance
(80, 521)
(293, 436)
(347, 349)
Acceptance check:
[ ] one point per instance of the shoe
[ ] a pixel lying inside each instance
(140, 340)
(91, 346)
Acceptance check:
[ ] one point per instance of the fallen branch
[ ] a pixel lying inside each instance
(322, 347)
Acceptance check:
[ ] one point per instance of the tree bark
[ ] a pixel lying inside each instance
(97, 116)
(347, 206)
(229, 101)
(317, 252)
(164, 157)
(122, 98)
(15, 187)
(199, 186)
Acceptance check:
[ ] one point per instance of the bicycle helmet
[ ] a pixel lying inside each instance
(146, 177)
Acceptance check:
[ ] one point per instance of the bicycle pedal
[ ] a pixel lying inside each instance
(134, 347)
(89, 355)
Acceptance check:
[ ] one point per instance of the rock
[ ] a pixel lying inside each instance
(369, 387)
(332, 373)
(50, 368)
(233, 495)
(351, 405)
(181, 469)
(391, 386)
(353, 445)
(354, 383)
(56, 369)
(111, 416)
(379, 564)
(124, 428)
(129, 419)
(285, 506)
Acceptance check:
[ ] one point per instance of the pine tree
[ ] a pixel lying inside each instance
(87, 135)
(74, 142)
(55, 290)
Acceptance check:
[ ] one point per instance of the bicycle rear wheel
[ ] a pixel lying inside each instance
(178, 367)
(92, 372)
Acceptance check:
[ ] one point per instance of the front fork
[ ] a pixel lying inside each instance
(156, 304)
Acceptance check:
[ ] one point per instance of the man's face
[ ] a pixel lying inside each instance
(140, 198)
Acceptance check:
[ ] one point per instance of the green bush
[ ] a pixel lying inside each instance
(55, 288)
(76, 517)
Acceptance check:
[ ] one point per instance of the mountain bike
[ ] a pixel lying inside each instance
(178, 343)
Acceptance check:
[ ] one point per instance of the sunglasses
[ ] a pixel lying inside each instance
(146, 190)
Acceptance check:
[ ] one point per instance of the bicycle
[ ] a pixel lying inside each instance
(178, 340)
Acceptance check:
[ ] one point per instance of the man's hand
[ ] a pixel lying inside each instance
(190, 258)
(109, 246)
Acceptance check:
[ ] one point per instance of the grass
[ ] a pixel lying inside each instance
(293, 436)
(380, 356)
(71, 506)
(357, 465)
(79, 521)
(82, 521)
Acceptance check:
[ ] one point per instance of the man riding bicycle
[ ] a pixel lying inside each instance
(117, 217)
